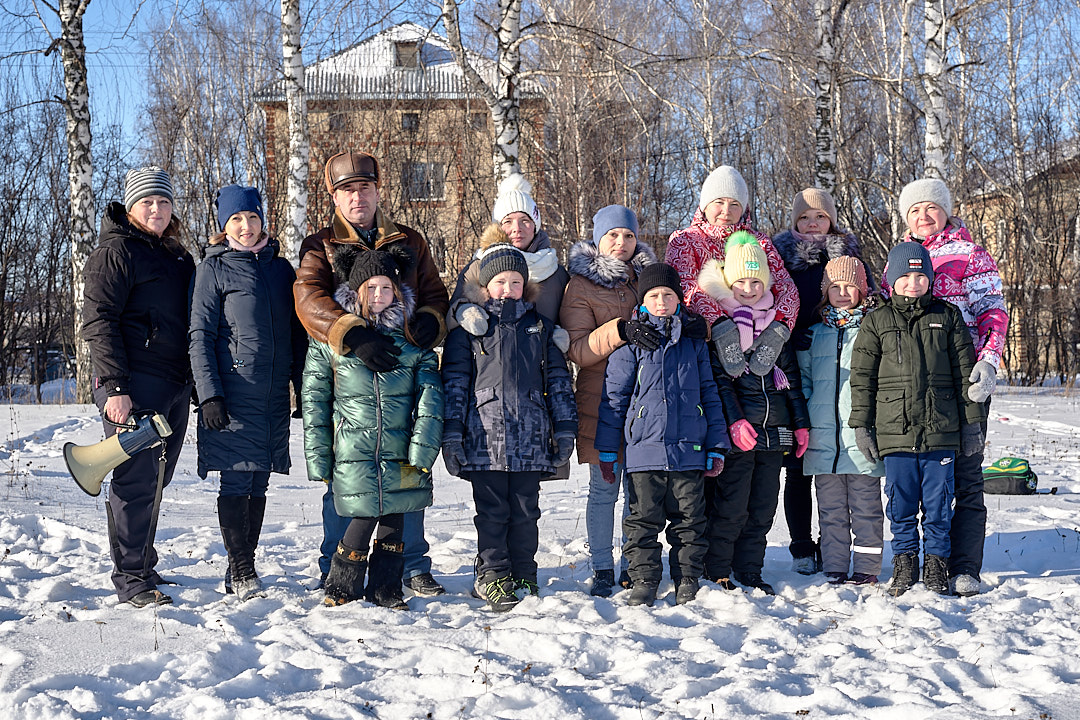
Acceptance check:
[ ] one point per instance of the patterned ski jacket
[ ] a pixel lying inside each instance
(966, 276)
(688, 249)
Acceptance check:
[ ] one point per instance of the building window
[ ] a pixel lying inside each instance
(410, 122)
(478, 121)
(424, 181)
(337, 122)
(407, 54)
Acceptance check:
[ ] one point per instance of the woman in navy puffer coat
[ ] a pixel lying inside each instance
(246, 344)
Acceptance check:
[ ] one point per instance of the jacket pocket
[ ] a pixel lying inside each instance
(636, 421)
(540, 420)
(891, 412)
(944, 412)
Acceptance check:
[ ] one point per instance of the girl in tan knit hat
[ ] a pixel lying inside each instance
(848, 486)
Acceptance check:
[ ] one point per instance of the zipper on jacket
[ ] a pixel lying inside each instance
(836, 403)
(768, 411)
(899, 354)
(378, 439)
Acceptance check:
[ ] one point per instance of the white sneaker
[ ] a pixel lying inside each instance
(965, 585)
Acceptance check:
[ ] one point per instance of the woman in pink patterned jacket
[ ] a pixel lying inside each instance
(721, 211)
(966, 276)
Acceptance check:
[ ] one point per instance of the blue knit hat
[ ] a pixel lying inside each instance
(908, 256)
(611, 217)
(232, 199)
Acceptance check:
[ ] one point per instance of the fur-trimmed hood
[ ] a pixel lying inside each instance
(604, 270)
(799, 251)
(712, 282)
(392, 318)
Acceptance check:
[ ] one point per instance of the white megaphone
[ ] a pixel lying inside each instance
(89, 464)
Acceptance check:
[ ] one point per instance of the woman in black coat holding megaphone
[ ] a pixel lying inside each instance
(135, 322)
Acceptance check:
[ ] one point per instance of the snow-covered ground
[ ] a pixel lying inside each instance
(68, 650)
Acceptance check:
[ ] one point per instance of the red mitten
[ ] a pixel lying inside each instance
(743, 435)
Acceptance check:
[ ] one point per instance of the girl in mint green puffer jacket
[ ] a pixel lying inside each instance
(375, 436)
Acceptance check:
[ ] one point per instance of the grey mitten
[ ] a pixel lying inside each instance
(473, 318)
(453, 454)
(564, 448)
(971, 439)
(725, 338)
(561, 338)
(767, 346)
(864, 440)
(983, 381)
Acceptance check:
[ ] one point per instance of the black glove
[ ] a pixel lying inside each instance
(971, 439)
(641, 333)
(694, 326)
(424, 328)
(376, 350)
(453, 454)
(802, 339)
(864, 440)
(214, 415)
(564, 448)
(767, 346)
(725, 338)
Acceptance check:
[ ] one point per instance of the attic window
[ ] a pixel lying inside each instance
(410, 122)
(407, 54)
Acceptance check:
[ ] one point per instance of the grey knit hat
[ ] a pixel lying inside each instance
(724, 182)
(908, 256)
(925, 190)
(501, 258)
(145, 181)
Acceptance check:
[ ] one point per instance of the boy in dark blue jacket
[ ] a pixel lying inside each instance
(664, 401)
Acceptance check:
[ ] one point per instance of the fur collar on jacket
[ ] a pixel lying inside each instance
(392, 318)
(604, 270)
(799, 252)
(479, 295)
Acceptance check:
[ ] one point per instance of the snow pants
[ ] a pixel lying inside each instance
(673, 499)
(851, 522)
(915, 481)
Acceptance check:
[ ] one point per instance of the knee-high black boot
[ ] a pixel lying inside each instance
(234, 520)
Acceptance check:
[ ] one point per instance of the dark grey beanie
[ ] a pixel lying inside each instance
(145, 181)
(500, 258)
(908, 257)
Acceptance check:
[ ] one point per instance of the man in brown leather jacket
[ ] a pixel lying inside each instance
(352, 179)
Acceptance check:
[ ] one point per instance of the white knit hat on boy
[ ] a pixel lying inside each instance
(724, 182)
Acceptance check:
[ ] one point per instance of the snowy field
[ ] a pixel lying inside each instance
(68, 650)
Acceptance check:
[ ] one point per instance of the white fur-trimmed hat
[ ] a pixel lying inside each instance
(514, 197)
(925, 190)
(724, 182)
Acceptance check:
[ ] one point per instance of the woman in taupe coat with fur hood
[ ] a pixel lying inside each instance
(596, 309)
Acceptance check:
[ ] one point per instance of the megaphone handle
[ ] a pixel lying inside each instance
(148, 551)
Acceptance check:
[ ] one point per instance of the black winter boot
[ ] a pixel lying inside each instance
(234, 520)
(903, 574)
(603, 583)
(642, 593)
(384, 580)
(345, 581)
(936, 574)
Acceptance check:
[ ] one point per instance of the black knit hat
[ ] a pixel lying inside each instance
(502, 258)
(659, 275)
(908, 257)
(355, 265)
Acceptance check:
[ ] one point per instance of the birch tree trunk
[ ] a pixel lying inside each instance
(824, 102)
(296, 184)
(933, 84)
(80, 171)
(504, 98)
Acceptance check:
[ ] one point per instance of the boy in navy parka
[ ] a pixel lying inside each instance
(665, 404)
(510, 420)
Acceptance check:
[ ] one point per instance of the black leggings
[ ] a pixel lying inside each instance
(358, 534)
